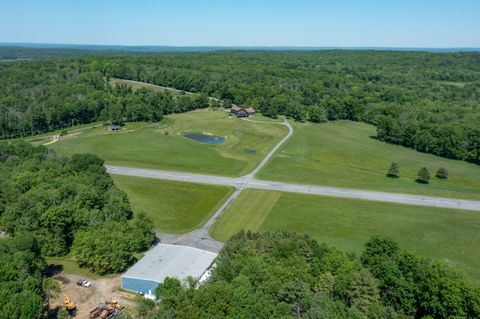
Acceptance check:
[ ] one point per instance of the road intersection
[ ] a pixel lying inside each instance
(200, 237)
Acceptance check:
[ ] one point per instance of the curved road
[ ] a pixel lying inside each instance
(273, 150)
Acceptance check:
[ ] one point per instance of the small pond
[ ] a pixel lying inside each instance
(250, 151)
(204, 138)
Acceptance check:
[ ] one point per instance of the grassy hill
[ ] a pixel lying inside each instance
(446, 234)
(345, 154)
(164, 147)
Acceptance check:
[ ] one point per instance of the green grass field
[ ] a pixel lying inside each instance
(446, 234)
(174, 207)
(136, 86)
(344, 154)
(70, 266)
(147, 146)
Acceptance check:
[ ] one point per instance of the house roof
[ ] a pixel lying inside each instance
(171, 261)
(246, 109)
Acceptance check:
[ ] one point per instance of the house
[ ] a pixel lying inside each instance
(164, 261)
(114, 127)
(241, 111)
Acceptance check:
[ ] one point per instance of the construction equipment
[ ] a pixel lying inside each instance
(69, 304)
(95, 312)
(109, 310)
(113, 303)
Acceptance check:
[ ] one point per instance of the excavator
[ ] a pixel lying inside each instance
(69, 305)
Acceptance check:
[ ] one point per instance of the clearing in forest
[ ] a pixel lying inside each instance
(165, 147)
(446, 234)
(345, 154)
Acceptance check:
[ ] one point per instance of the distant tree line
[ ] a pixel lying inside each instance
(285, 275)
(47, 95)
(425, 101)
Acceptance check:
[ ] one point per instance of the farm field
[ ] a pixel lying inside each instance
(164, 147)
(344, 154)
(174, 207)
(445, 234)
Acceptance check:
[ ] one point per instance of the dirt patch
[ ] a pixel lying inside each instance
(64, 280)
(87, 299)
(65, 137)
(52, 140)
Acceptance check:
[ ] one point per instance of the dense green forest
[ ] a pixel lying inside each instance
(51, 206)
(69, 204)
(426, 101)
(285, 275)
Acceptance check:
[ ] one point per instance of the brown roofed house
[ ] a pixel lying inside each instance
(242, 111)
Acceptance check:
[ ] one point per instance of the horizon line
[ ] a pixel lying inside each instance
(234, 46)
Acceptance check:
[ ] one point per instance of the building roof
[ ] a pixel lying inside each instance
(246, 109)
(171, 261)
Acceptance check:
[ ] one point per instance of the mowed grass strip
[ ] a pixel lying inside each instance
(446, 234)
(344, 154)
(174, 207)
(137, 85)
(164, 147)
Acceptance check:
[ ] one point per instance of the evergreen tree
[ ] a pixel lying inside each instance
(364, 291)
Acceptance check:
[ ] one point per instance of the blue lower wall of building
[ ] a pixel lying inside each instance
(139, 285)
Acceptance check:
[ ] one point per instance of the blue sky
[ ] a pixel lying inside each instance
(385, 23)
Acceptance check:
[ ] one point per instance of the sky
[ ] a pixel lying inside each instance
(323, 23)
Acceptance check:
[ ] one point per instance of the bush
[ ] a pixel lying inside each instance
(442, 173)
(423, 176)
(394, 171)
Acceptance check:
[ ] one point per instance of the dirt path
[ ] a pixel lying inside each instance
(87, 299)
(53, 140)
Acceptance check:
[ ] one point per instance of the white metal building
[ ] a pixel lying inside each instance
(166, 261)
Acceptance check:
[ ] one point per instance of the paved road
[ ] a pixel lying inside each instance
(200, 238)
(273, 150)
(249, 182)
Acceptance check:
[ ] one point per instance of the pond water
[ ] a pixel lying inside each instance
(250, 151)
(204, 138)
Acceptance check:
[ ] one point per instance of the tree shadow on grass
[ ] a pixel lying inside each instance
(53, 269)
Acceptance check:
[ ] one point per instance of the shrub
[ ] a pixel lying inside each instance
(394, 170)
(423, 176)
(442, 173)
